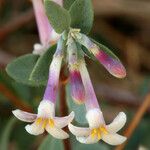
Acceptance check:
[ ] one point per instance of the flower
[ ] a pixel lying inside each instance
(77, 88)
(97, 128)
(106, 58)
(46, 32)
(45, 118)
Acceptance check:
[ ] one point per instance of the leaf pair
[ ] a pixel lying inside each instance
(79, 15)
(31, 69)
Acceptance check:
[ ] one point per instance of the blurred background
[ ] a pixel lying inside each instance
(123, 26)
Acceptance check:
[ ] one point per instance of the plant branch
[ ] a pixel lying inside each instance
(14, 99)
(136, 120)
(63, 104)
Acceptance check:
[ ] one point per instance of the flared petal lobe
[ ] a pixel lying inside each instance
(79, 131)
(57, 132)
(24, 116)
(61, 122)
(117, 123)
(114, 139)
(34, 129)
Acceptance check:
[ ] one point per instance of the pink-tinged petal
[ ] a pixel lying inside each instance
(117, 123)
(87, 140)
(77, 88)
(78, 131)
(54, 73)
(113, 139)
(90, 97)
(61, 122)
(57, 132)
(24, 116)
(113, 65)
(46, 109)
(34, 129)
(43, 24)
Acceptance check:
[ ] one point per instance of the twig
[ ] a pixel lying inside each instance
(136, 120)
(63, 105)
(16, 23)
(14, 99)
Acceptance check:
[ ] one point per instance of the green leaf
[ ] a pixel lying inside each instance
(105, 49)
(4, 141)
(40, 71)
(58, 16)
(50, 143)
(81, 13)
(79, 110)
(21, 68)
(68, 3)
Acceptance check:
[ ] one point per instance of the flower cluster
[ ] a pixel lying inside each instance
(69, 50)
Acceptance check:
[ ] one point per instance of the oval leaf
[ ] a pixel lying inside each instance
(39, 74)
(81, 13)
(21, 68)
(67, 3)
(58, 16)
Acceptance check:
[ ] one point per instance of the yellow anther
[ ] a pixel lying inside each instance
(51, 123)
(103, 129)
(38, 121)
(44, 123)
(99, 135)
(93, 134)
(98, 132)
(95, 131)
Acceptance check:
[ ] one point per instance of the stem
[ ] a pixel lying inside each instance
(136, 120)
(63, 105)
(14, 99)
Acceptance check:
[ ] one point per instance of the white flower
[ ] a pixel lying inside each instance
(99, 130)
(45, 120)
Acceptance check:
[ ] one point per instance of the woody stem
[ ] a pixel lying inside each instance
(63, 105)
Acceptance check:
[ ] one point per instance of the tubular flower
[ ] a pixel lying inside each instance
(112, 64)
(45, 118)
(46, 32)
(97, 127)
(77, 89)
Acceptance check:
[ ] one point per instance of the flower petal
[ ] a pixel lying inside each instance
(77, 131)
(77, 88)
(104, 56)
(87, 140)
(57, 132)
(24, 116)
(34, 129)
(114, 139)
(61, 122)
(117, 123)
(113, 65)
